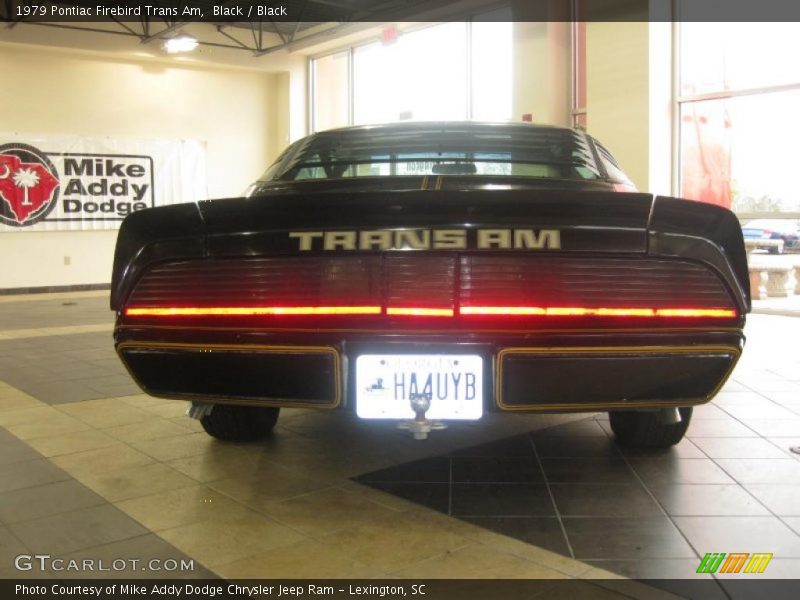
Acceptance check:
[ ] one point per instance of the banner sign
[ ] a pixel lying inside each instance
(59, 182)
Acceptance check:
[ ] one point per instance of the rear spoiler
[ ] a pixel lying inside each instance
(148, 236)
(703, 232)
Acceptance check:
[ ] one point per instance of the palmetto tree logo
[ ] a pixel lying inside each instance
(26, 178)
(28, 185)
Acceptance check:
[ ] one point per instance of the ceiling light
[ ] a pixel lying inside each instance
(183, 43)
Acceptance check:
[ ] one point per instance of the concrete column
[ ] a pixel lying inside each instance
(542, 61)
(542, 85)
(282, 113)
(628, 99)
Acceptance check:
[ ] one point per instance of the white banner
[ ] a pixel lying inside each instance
(68, 182)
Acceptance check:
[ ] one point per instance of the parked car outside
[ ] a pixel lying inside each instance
(777, 235)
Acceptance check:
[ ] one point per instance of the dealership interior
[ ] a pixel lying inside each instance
(158, 111)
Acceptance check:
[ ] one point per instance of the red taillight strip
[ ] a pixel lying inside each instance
(721, 313)
(420, 312)
(502, 311)
(556, 311)
(189, 311)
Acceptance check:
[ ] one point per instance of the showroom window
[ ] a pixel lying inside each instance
(737, 113)
(421, 76)
(451, 71)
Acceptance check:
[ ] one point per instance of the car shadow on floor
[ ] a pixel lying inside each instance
(573, 490)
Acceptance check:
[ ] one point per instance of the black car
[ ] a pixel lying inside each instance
(433, 271)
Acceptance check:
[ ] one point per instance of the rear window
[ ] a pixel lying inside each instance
(610, 165)
(494, 151)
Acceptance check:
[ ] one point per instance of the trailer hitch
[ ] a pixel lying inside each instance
(420, 426)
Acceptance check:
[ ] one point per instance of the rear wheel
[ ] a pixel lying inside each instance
(647, 429)
(240, 423)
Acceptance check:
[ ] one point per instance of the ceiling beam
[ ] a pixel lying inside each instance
(317, 38)
(386, 12)
(221, 31)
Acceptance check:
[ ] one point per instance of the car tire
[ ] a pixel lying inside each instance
(232, 423)
(644, 429)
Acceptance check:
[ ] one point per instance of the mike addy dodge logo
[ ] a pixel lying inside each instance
(28, 185)
(37, 186)
(734, 562)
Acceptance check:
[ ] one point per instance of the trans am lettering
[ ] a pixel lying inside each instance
(428, 239)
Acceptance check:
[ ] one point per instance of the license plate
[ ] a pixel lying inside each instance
(453, 382)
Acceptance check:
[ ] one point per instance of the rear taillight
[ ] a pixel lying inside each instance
(419, 312)
(624, 187)
(439, 287)
(578, 311)
(467, 311)
(247, 311)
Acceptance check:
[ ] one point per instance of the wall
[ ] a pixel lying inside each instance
(660, 107)
(541, 55)
(282, 112)
(617, 93)
(297, 97)
(290, 114)
(628, 97)
(233, 110)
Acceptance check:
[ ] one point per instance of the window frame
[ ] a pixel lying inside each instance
(577, 74)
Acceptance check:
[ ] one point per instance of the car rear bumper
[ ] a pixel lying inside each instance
(540, 371)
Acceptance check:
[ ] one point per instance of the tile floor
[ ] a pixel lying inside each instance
(91, 467)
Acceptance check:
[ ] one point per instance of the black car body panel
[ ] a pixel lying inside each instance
(592, 222)
(703, 232)
(578, 247)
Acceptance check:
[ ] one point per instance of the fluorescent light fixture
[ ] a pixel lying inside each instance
(183, 43)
